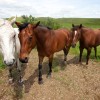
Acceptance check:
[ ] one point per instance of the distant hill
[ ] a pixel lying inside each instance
(67, 22)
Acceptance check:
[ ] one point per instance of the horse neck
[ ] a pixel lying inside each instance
(41, 34)
(82, 31)
(70, 36)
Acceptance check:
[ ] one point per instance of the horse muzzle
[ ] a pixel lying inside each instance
(24, 60)
(10, 63)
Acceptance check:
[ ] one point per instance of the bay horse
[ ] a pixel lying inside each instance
(87, 38)
(48, 42)
(9, 44)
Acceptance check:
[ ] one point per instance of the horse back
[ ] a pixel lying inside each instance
(88, 37)
(62, 33)
(62, 37)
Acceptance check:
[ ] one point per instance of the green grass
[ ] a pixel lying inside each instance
(56, 68)
(2, 66)
(76, 52)
(67, 22)
(88, 22)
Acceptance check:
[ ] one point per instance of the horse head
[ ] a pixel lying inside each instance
(76, 33)
(7, 41)
(27, 39)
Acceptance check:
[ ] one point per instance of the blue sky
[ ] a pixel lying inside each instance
(51, 8)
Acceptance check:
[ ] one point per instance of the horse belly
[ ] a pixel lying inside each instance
(60, 46)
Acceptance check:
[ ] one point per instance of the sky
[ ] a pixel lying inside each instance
(51, 8)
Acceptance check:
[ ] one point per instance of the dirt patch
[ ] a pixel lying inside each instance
(68, 82)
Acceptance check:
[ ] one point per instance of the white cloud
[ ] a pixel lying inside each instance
(7, 1)
(52, 8)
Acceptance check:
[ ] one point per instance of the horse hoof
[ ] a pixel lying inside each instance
(86, 63)
(40, 82)
(65, 63)
(20, 82)
(49, 76)
(10, 80)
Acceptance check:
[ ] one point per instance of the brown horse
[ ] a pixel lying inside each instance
(87, 38)
(48, 42)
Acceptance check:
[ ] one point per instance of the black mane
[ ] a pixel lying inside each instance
(23, 26)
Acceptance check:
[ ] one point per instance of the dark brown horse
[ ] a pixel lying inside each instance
(87, 38)
(48, 42)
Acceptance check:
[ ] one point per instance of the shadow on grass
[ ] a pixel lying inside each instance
(57, 62)
(18, 87)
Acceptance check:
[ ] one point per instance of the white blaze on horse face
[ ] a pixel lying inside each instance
(75, 36)
(75, 33)
(7, 42)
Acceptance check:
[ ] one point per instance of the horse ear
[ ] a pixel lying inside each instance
(13, 21)
(36, 24)
(72, 25)
(80, 26)
(18, 24)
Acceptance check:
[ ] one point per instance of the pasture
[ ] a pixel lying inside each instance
(68, 82)
(73, 81)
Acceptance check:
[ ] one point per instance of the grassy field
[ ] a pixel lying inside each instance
(72, 81)
(76, 52)
(2, 66)
(67, 23)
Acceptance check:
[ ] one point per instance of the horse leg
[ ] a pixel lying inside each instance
(18, 64)
(88, 55)
(65, 50)
(40, 80)
(81, 51)
(50, 66)
(95, 49)
(10, 75)
(20, 77)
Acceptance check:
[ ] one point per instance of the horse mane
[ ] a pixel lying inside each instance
(24, 25)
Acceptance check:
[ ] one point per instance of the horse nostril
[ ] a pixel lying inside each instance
(26, 59)
(4, 61)
(13, 60)
(8, 63)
